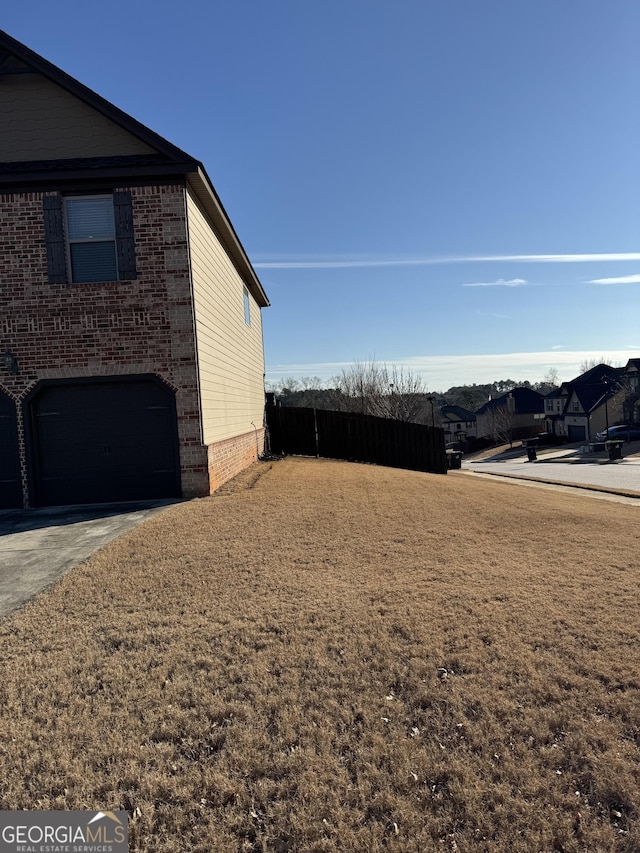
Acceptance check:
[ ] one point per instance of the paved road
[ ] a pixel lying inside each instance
(585, 471)
(38, 546)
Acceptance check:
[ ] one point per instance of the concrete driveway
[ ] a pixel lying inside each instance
(38, 546)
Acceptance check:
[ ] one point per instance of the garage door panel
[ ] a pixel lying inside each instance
(577, 433)
(106, 441)
(10, 480)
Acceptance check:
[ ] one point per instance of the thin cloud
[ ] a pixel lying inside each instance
(444, 371)
(493, 314)
(512, 282)
(558, 346)
(623, 279)
(421, 262)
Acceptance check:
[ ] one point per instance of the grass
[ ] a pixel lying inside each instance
(329, 657)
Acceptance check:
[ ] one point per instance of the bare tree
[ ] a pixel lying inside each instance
(502, 421)
(589, 363)
(375, 388)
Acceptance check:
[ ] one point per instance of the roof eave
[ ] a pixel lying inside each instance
(11, 180)
(201, 185)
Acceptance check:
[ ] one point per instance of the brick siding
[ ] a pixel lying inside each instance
(228, 458)
(108, 328)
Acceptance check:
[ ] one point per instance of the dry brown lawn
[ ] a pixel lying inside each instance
(332, 657)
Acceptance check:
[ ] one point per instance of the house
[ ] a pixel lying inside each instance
(516, 414)
(579, 409)
(459, 424)
(131, 354)
(555, 404)
(631, 385)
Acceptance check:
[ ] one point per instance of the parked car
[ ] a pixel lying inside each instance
(548, 439)
(623, 432)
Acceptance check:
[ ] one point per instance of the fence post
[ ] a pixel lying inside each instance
(315, 430)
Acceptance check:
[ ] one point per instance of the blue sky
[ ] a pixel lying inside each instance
(451, 186)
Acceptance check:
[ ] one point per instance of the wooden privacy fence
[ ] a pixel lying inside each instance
(356, 438)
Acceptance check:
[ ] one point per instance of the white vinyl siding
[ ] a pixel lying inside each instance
(230, 352)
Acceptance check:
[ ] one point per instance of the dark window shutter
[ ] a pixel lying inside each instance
(126, 249)
(54, 239)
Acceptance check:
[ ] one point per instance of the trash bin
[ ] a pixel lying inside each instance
(455, 459)
(615, 449)
(531, 454)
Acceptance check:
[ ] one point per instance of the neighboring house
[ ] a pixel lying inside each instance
(631, 387)
(513, 415)
(555, 403)
(583, 407)
(131, 354)
(459, 424)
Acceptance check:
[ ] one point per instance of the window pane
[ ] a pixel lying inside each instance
(90, 218)
(93, 262)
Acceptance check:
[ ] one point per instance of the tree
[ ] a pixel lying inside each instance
(502, 421)
(551, 377)
(589, 363)
(549, 382)
(374, 388)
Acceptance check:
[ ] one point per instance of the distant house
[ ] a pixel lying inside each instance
(555, 404)
(131, 354)
(586, 405)
(459, 424)
(631, 386)
(516, 414)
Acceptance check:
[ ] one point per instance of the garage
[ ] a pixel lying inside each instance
(577, 433)
(103, 440)
(10, 481)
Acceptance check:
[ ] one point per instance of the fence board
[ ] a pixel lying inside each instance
(292, 430)
(356, 438)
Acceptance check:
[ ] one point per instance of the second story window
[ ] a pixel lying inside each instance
(91, 238)
(247, 306)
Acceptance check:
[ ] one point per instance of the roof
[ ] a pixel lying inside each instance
(598, 384)
(596, 374)
(556, 392)
(594, 395)
(526, 402)
(458, 413)
(17, 58)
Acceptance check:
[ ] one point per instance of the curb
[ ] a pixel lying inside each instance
(623, 493)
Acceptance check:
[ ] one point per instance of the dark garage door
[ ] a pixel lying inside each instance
(10, 485)
(100, 441)
(577, 433)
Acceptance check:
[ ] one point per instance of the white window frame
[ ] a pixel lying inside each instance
(69, 241)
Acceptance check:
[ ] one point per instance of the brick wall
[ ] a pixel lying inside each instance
(228, 458)
(104, 329)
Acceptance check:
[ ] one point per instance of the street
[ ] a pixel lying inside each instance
(565, 467)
